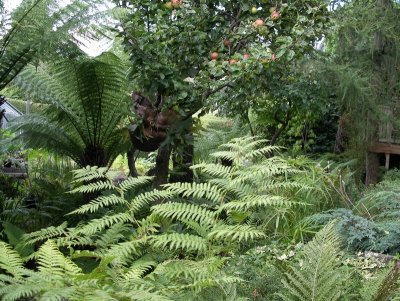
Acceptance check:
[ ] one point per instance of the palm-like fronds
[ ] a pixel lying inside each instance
(35, 29)
(85, 100)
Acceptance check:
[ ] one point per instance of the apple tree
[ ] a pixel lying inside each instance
(185, 52)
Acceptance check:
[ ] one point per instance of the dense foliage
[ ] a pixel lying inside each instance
(194, 159)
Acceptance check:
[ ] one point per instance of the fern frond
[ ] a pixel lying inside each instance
(53, 263)
(254, 201)
(180, 241)
(185, 211)
(15, 292)
(319, 278)
(93, 187)
(100, 202)
(89, 173)
(45, 234)
(99, 224)
(139, 268)
(10, 261)
(131, 183)
(112, 235)
(236, 233)
(215, 170)
(146, 198)
(197, 190)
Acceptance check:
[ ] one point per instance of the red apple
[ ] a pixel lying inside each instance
(275, 15)
(214, 56)
(176, 3)
(246, 56)
(232, 61)
(258, 23)
(273, 57)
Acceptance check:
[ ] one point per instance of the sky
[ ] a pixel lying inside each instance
(92, 48)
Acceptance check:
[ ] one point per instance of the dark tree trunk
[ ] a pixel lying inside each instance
(131, 162)
(372, 168)
(161, 169)
(93, 155)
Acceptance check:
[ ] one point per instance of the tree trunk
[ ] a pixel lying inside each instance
(131, 162)
(161, 169)
(372, 168)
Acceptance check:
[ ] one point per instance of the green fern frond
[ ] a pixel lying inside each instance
(319, 277)
(131, 183)
(215, 170)
(53, 263)
(139, 268)
(124, 250)
(100, 202)
(180, 241)
(46, 233)
(93, 187)
(146, 198)
(16, 292)
(10, 261)
(99, 224)
(197, 190)
(254, 201)
(185, 211)
(89, 173)
(235, 233)
(112, 235)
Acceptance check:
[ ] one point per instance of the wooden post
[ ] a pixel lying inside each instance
(387, 162)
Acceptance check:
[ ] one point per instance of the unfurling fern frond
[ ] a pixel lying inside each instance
(319, 277)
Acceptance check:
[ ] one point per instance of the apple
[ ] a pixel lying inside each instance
(258, 23)
(168, 5)
(246, 56)
(176, 3)
(232, 61)
(272, 9)
(273, 57)
(254, 10)
(275, 15)
(214, 56)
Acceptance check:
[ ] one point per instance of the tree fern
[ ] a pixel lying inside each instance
(82, 115)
